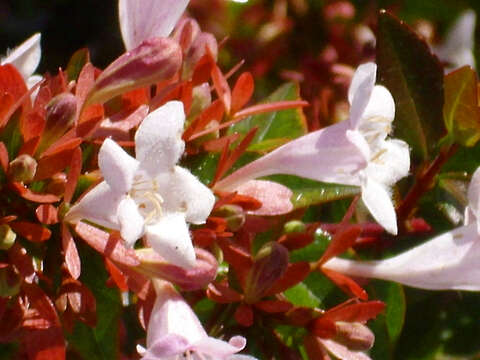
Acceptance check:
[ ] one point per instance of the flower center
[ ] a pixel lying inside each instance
(375, 130)
(145, 194)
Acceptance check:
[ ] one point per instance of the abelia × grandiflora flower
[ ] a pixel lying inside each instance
(149, 195)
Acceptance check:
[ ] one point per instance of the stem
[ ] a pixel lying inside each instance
(423, 183)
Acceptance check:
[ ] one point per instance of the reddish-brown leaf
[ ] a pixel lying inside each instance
(6, 103)
(81, 300)
(47, 214)
(61, 145)
(31, 231)
(221, 293)
(44, 95)
(295, 273)
(323, 327)
(221, 87)
(73, 174)
(23, 262)
(109, 246)
(346, 284)
(269, 107)
(203, 69)
(72, 259)
(118, 277)
(50, 165)
(3, 156)
(32, 126)
(11, 82)
(41, 302)
(212, 113)
(242, 91)
(85, 82)
(273, 306)
(90, 120)
(244, 315)
(359, 312)
(216, 145)
(26, 193)
(341, 242)
(237, 257)
(45, 344)
(315, 349)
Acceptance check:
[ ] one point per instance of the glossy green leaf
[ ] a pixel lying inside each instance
(300, 295)
(393, 295)
(76, 63)
(284, 124)
(308, 192)
(461, 111)
(414, 76)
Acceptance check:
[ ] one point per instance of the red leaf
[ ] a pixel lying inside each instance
(221, 293)
(346, 284)
(85, 82)
(42, 303)
(44, 95)
(315, 349)
(212, 113)
(107, 245)
(6, 103)
(273, 306)
(222, 88)
(118, 277)
(61, 145)
(295, 273)
(203, 69)
(89, 120)
(359, 312)
(244, 315)
(3, 155)
(242, 91)
(237, 257)
(50, 165)
(26, 193)
(11, 82)
(216, 145)
(73, 174)
(341, 242)
(47, 214)
(323, 327)
(32, 126)
(45, 344)
(72, 259)
(31, 231)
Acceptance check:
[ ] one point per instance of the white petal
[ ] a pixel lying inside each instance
(449, 261)
(158, 141)
(341, 351)
(275, 197)
(472, 211)
(185, 193)
(377, 200)
(118, 168)
(99, 206)
(172, 315)
(365, 74)
(143, 20)
(391, 163)
(170, 238)
(218, 349)
(326, 155)
(381, 104)
(131, 221)
(26, 56)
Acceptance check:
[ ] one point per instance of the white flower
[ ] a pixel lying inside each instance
(26, 58)
(457, 49)
(449, 261)
(149, 195)
(352, 152)
(174, 332)
(143, 20)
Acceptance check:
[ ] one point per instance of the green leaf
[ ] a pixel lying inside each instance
(392, 294)
(313, 251)
(300, 295)
(274, 127)
(76, 63)
(461, 112)
(308, 192)
(414, 76)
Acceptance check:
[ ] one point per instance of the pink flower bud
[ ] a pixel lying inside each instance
(153, 60)
(22, 169)
(233, 215)
(354, 336)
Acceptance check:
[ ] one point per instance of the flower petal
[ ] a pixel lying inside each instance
(326, 155)
(449, 261)
(158, 141)
(342, 352)
(365, 74)
(378, 202)
(380, 105)
(168, 345)
(131, 221)
(360, 92)
(185, 193)
(218, 349)
(143, 20)
(99, 206)
(391, 164)
(118, 168)
(26, 56)
(170, 238)
(473, 208)
(275, 197)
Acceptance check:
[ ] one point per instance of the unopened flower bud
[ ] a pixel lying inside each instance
(22, 169)
(201, 99)
(154, 266)
(153, 60)
(61, 111)
(197, 50)
(233, 215)
(9, 283)
(186, 32)
(7, 237)
(56, 184)
(294, 226)
(269, 264)
(354, 336)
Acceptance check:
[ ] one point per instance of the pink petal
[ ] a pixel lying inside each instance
(342, 352)
(219, 349)
(275, 198)
(168, 345)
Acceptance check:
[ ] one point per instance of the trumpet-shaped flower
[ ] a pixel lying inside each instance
(149, 195)
(448, 261)
(174, 332)
(353, 152)
(26, 58)
(146, 19)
